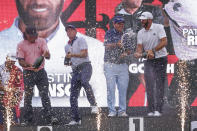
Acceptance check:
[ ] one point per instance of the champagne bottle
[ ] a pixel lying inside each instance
(38, 62)
(67, 61)
(144, 55)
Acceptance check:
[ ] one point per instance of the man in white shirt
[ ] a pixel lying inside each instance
(152, 39)
(77, 51)
(131, 10)
(45, 16)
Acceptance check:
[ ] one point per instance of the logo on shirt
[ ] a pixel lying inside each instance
(154, 34)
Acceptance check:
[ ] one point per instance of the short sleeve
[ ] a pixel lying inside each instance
(83, 44)
(20, 53)
(67, 48)
(139, 38)
(161, 32)
(44, 46)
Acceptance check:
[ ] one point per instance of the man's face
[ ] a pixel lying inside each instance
(144, 23)
(71, 33)
(39, 13)
(119, 26)
(132, 3)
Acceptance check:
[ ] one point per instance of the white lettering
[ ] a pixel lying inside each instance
(141, 68)
(185, 31)
(190, 40)
(170, 68)
(190, 32)
(52, 90)
(60, 91)
(133, 68)
(58, 77)
(67, 90)
(136, 122)
(50, 78)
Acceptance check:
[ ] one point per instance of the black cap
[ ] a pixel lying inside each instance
(31, 31)
(70, 26)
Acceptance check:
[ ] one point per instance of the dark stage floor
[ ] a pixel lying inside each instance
(137, 121)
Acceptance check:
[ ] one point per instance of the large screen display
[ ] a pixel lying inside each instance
(92, 19)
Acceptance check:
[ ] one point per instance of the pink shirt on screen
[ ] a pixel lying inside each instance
(31, 51)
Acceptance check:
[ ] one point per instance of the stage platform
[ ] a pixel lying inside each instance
(137, 121)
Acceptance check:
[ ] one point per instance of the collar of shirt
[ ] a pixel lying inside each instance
(117, 32)
(151, 27)
(70, 42)
(16, 23)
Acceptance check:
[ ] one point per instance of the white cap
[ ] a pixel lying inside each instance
(11, 57)
(145, 16)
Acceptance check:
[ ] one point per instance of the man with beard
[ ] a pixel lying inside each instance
(28, 51)
(152, 39)
(45, 16)
(131, 10)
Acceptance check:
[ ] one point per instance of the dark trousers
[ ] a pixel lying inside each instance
(2, 109)
(155, 74)
(39, 79)
(80, 78)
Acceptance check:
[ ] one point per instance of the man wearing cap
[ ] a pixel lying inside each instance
(11, 89)
(152, 39)
(28, 50)
(131, 10)
(115, 67)
(45, 16)
(77, 51)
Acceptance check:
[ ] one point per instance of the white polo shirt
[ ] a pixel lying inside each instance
(151, 38)
(78, 45)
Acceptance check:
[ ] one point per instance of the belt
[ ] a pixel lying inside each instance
(80, 66)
